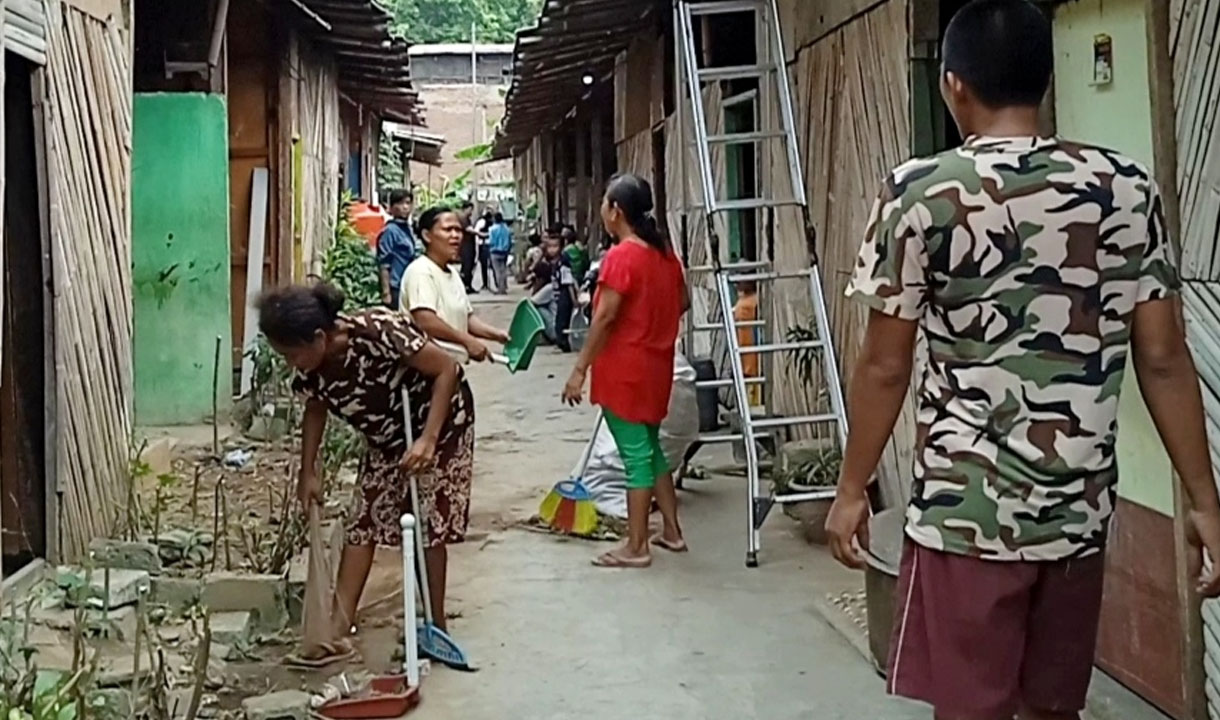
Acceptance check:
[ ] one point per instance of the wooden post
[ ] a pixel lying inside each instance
(3, 236)
(564, 164)
(285, 131)
(582, 174)
(1165, 162)
(596, 136)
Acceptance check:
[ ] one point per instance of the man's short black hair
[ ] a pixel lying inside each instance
(466, 205)
(397, 195)
(1002, 50)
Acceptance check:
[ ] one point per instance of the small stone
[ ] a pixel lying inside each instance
(170, 635)
(282, 705)
(121, 554)
(262, 595)
(111, 703)
(231, 628)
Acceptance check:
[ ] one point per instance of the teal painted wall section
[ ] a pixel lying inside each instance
(1117, 115)
(180, 256)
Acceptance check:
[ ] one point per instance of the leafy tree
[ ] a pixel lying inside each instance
(433, 21)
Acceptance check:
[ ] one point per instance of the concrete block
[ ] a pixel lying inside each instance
(231, 628)
(298, 574)
(282, 705)
(262, 595)
(124, 586)
(267, 429)
(124, 555)
(119, 671)
(177, 594)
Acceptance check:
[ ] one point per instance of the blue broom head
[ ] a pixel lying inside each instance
(573, 489)
(436, 644)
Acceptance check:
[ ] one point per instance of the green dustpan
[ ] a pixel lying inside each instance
(525, 332)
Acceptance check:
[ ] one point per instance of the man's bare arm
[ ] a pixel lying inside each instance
(879, 385)
(1170, 386)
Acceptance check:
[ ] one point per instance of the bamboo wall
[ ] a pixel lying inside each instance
(852, 107)
(88, 144)
(320, 148)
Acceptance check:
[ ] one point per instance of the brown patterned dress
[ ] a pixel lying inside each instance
(367, 393)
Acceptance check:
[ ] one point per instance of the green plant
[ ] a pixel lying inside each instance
(804, 360)
(349, 264)
(389, 163)
(821, 470)
(341, 445)
(453, 192)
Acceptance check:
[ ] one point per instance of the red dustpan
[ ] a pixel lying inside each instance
(389, 698)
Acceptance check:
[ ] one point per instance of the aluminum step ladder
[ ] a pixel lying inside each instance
(765, 83)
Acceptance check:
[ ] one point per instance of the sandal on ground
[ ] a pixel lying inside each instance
(322, 656)
(613, 559)
(670, 545)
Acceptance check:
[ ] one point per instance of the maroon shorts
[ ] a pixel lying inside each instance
(978, 639)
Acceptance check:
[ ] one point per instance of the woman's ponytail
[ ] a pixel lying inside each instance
(633, 196)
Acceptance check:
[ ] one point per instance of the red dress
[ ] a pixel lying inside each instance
(634, 374)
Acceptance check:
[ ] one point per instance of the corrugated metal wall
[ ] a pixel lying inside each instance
(1194, 29)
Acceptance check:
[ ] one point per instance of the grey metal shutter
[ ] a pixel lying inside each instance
(25, 29)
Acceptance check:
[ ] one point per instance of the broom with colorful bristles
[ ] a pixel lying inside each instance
(569, 506)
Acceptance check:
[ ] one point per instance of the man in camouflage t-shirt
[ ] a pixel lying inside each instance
(1026, 267)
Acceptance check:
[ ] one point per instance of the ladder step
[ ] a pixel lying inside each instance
(748, 204)
(826, 494)
(731, 437)
(718, 8)
(735, 72)
(729, 267)
(717, 327)
(779, 347)
(746, 137)
(768, 276)
(728, 382)
(777, 422)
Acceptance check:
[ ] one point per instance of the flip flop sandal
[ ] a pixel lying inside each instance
(614, 560)
(333, 654)
(674, 547)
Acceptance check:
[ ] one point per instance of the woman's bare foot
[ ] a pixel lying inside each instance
(623, 557)
(675, 545)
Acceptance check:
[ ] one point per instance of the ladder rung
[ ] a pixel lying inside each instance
(777, 422)
(728, 382)
(717, 327)
(768, 276)
(827, 494)
(748, 204)
(728, 267)
(731, 437)
(779, 347)
(735, 72)
(746, 137)
(718, 8)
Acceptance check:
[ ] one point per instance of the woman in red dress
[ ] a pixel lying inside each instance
(641, 296)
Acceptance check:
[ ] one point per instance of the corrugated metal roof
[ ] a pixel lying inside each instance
(374, 66)
(572, 40)
(460, 49)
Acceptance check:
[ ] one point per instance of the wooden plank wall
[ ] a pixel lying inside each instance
(88, 138)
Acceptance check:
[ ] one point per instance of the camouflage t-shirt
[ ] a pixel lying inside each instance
(1023, 260)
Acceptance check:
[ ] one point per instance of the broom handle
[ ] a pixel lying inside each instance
(421, 535)
(588, 456)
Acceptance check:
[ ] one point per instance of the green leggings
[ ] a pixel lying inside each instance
(639, 446)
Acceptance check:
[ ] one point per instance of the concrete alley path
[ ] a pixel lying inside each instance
(696, 637)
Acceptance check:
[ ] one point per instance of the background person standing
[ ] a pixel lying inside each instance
(395, 246)
(468, 254)
(500, 246)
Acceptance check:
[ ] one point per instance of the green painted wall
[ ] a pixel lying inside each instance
(1117, 115)
(180, 256)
